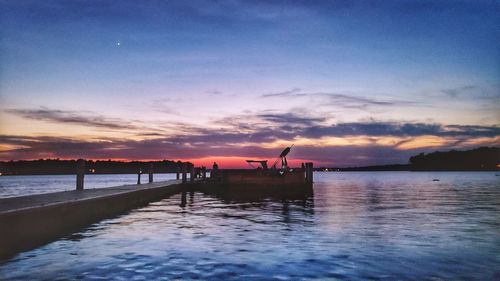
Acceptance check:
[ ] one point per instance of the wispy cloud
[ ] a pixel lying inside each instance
(344, 100)
(349, 101)
(489, 92)
(73, 117)
(290, 119)
(459, 91)
(401, 130)
(471, 100)
(295, 92)
(214, 92)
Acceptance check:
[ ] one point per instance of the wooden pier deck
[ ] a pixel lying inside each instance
(13, 204)
(30, 221)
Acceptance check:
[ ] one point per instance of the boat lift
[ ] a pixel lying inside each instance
(282, 157)
(263, 163)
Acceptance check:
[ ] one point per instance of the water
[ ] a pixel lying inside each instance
(356, 226)
(12, 186)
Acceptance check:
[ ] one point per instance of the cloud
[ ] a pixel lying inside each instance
(262, 127)
(484, 92)
(267, 128)
(44, 147)
(454, 92)
(164, 148)
(401, 130)
(255, 134)
(295, 92)
(214, 92)
(337, 99)
(290, 119)
(348, 101)
(72, 117)
(256, 142)
(293, 124)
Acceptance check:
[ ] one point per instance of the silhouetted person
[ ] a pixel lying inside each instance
(215, 168)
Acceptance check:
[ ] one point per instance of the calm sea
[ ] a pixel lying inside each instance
(355, 226)
(12, 186)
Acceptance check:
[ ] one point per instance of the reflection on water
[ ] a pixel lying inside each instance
(355, 226)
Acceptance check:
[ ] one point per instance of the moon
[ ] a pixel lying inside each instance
(118, 44)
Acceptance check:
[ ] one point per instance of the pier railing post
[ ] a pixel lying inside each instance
(139, 176)
(184, 172)
(177, 176)
(309, 172)
(150, 172)
(80, 173)
(191, 173)
(303, 167)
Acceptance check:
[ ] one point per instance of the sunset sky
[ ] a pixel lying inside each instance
(349, 83)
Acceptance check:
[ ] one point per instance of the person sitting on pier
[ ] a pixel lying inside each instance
(215, 168)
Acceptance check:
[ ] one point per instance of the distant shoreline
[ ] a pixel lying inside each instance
(394, 168)
(383, 168)
(475, 160)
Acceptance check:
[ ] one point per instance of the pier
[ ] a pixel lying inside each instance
(30, 221)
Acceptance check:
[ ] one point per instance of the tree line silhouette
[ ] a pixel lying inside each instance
(479, 159)
(62, 167)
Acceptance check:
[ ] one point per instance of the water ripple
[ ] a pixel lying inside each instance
(356, 226)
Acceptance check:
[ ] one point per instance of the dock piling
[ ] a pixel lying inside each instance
(191, 173)
(150, 172)
(184, 172)
(177, 176)
(80, 173)
(309, 172)
(139, 176)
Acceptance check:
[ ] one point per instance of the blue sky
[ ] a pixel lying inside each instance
(121, 74)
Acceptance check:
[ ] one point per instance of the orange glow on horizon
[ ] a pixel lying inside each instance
(223, 161)
(238, 162)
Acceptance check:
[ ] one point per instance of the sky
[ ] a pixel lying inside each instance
(348, 83)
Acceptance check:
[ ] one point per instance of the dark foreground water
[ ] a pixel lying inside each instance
(356, 226)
